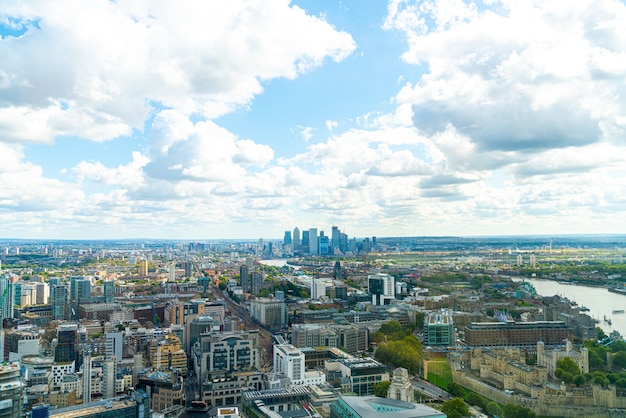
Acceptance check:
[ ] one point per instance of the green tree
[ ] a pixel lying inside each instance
(517, 411)
(456, 390)
(475, 399)
(380, 389)
(567, 377)
(455, 408)
(579, 380)
(493, 409)
(568, 365)
(618, 360)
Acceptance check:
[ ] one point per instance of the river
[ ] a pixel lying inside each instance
(599, 300)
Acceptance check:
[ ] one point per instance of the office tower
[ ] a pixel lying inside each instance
(335, 238)
(520, 260)
(313, 247)
(533, 260)
(43, 294)
(256, 282)
(270, 312)
(296, 237)
(172, 272)
(287, 239)
(80, 291)
(114, 345)
(109, 291)
(244, 278)
(188, 267)
(143, 267)
(305, 240)
(323, 244)
(7, 304)
(58, 300)
(382, 288)
(65, 351)
(108, 379)
(17, 293)
(87, 378)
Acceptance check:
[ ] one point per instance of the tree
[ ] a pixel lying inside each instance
(455, 408)
(568, 365)
(517, 411)
(380, 389)
(493, 409)
(579, 380)
(456, 390)
(618, 360)
(475, 399)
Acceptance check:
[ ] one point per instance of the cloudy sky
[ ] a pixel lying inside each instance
(242, 119)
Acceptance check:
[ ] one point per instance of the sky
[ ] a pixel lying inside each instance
(244, 119)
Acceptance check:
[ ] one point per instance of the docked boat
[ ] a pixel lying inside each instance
(620, 290)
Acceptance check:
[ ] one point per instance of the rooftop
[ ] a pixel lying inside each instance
(373, 407)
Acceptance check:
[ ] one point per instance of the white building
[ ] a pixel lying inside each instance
(289, 362)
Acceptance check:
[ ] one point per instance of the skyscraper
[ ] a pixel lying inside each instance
(7, 304)
(296, 237)
(287, 239)
(58, 300)
(305, 240)
(335, 238)
(65, 351)
(244, 278)
(109, 291)
(313, 247)
(108, 379)
(256, 282)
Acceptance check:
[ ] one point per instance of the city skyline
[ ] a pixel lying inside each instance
(242, 120)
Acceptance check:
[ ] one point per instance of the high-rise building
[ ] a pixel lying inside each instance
(65, 351)
(382, 288)
(244, 281)
(269, 312)
(335, 237)
(108, 379)
(7, 303)
(114, 345)
(87, 378)
(323, 244)
(171, 277)
(287, 239)
(80, 291)
(109, 291)
(58, 300)
(296, 238)
(188, 267)
(143, 267)
(305, 240)
(256, 282)
(313, 245)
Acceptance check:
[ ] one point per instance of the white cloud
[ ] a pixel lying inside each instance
(509, 88)
(196, 57)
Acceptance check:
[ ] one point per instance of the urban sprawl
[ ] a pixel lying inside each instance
(310, 325)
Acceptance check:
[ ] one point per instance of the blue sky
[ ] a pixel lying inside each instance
(242, 120)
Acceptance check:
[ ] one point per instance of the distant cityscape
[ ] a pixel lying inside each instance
(309, 325)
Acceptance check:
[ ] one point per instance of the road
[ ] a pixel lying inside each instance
(265, 337)
(429, 389)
